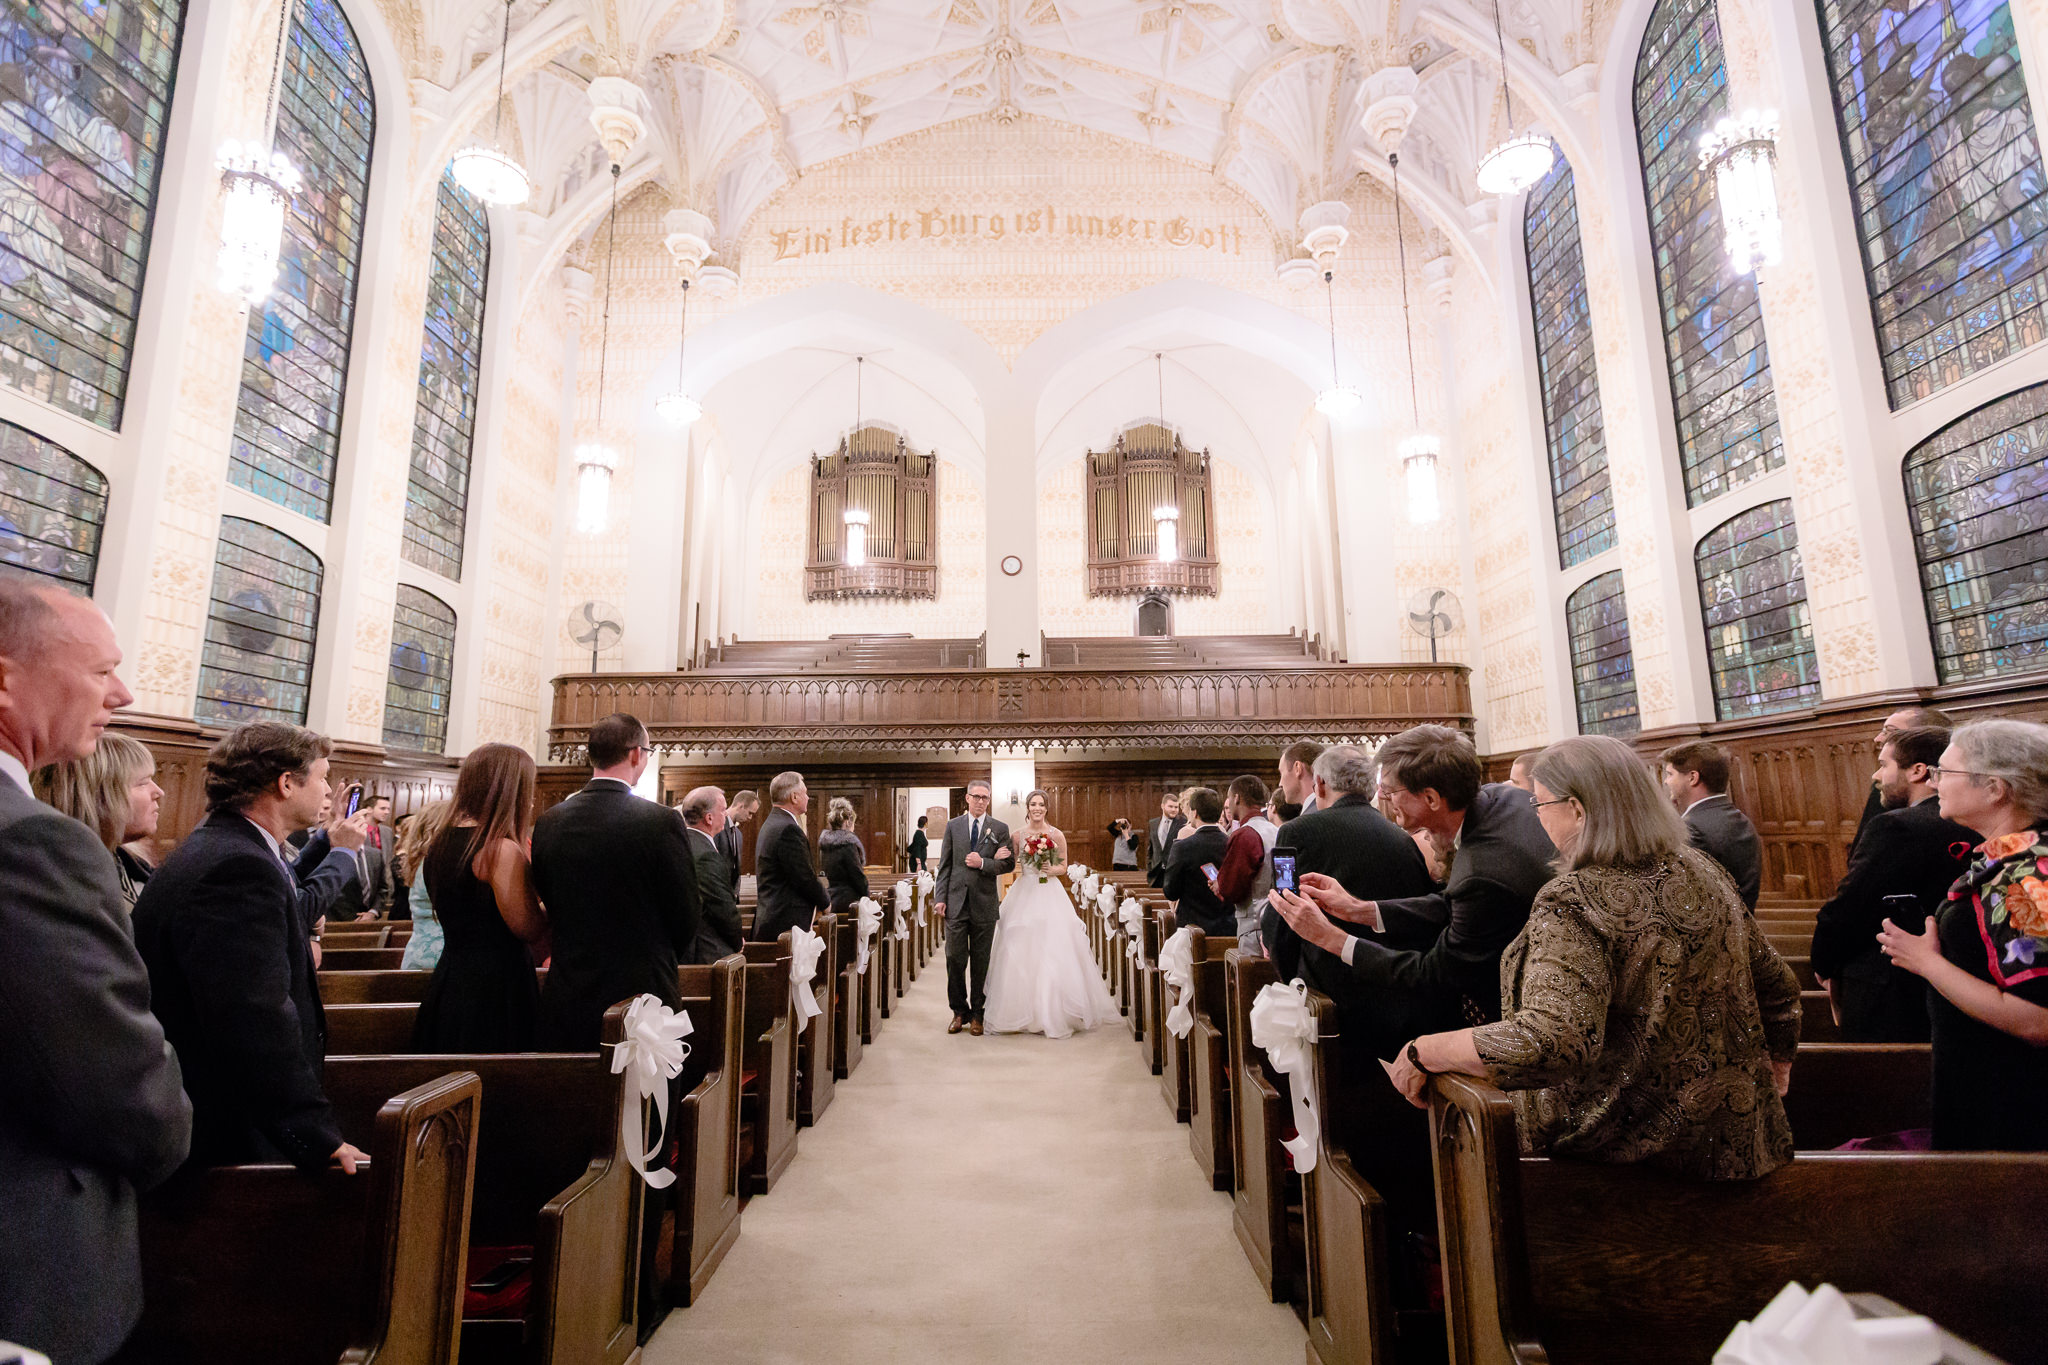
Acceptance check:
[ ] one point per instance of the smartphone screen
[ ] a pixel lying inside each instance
(1283, 870)
(1209, 871)
(355, 802)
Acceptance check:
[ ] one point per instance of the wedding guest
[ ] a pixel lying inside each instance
(95, 1108)
(113, 792)
(1905, 718)
(423, 949)
(1297, 776)
(1164, 831)
(718, 924)
(1246, 873)
(920, 846)
(1696, 776)
(741, 811)
(1646, 1017)
(373, 892)
(788, 893)
(483, 996)
(1519, 772)
(1188, 885)
(1989, 972)
(1123, 845)
(844, 859)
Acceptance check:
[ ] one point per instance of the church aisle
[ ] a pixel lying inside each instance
(993, 1199)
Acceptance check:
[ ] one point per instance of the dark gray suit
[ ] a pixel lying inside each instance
(718, 919)
(787, 892)
(94, 1103)
(1722, 832)
(969, 895)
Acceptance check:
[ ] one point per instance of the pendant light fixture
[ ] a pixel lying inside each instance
(257, 185)
(1521, 161)
(855, 519)
(1166, 516)
(1339, 398)
(595, 461)
(677, 408)
(1743, 155)
(1419, 452)
(489, 172)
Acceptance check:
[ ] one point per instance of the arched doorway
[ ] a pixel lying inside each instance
(1155, 616)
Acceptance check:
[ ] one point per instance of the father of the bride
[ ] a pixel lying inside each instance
(974, 853)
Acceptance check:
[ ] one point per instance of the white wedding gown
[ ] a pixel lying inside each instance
(1041, 976)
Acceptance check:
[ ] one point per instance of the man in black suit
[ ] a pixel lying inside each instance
(1298, 776)
(615, 873)
(1898, 722)
(1906, 851)
(787, 892)
(94, 1107)
(718, 921)
(973, 854)
(369, 895)
(1164, 831)
(230, 966)
(1696, 775)
(1193, 862)
(741, 811)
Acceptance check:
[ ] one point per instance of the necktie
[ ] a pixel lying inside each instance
(974, 834)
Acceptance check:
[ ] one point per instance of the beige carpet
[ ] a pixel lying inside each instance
(990, 1199)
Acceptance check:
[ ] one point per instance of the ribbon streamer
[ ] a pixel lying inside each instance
(868, 923)
(903, 911)
(1105, 905)
(1133, 916)
(652, 1053)
(805, 948)
(1177, 965)
(1821, 1328)
(1284, 1027)
(925, 883)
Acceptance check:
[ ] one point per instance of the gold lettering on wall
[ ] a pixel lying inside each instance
(1041, 225)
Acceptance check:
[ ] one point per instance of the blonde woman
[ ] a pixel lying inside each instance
(844, 858)
(423, 949)
(113, 793)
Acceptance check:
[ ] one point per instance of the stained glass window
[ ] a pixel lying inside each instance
(257, 662)
(1946, 171)
(1713, 327)
(1564, 362)
(1603, 668)
(451, 355)
(295, 357)
(1977, 493)
(1753, 595)
(85, 91)
(422, 666)
(52, 506)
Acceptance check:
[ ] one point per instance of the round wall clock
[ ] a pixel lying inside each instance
(1012, 565)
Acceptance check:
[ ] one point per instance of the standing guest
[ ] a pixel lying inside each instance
(1902, 872)
(1905, 718)
(1202, 846)
(1123, 845)
(1520, 772)
(741, 811)
(1696, 776)
(1646, 1018)
(1246, 873)
(616, 874)
(788, 893)
(372, 894)
(417, 834)
(718, 921)
(1164, 831)
(1986, 953)
(112, 791)
(299, 838)
(95, 1108)
(231, 963)
(845, 860)
(326, 864)
(920, 846)
(1297, 776)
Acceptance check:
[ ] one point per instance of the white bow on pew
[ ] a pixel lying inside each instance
(903, 911)
(1105, 905)
(925, 883)
(1285, 1029)
(1133, 916)
(805, 948)
(1177, 965)
(866, 925)
(652, 1053)
(1821, 1328)
(1076, 871)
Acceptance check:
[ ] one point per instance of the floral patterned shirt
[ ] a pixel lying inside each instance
(2006, 890)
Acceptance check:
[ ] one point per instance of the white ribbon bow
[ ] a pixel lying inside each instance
(925, 883)
(1133, 915)
(1105, 904)
(1177, 965)
(903, 911)
(1285, 1028)
(868, 922)
(653, 1052)
(805, 948)
(1798, 1328)
(1075, 872)
(1090, 884)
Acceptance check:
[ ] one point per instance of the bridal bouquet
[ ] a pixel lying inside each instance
(1039, 853)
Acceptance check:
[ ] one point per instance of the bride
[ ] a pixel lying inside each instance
(1041, 977)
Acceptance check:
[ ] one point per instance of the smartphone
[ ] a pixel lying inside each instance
(502, 1275)
(1283, 870)
(355, 801)
(1904, 911)
(1209, 871)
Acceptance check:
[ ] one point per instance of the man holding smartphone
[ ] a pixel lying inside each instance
(1193, 864)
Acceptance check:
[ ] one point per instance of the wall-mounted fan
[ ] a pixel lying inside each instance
(1434, 613)
(596, 626)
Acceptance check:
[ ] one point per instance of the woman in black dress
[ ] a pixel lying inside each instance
(845, 861)
(484, 996)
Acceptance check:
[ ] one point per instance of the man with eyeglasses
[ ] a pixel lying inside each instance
(1905, 718)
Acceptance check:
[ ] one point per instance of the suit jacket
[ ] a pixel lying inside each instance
(231, 975)
(94, 1106)
(323, 872)
(1721, 831)
(1444, 948)
(1195, 904)
(959, 887)
(374, 887)
(718, 922)
(1910, 851)
(845, 863)
(616, 875)
(1161, 847)
(728, 842)
(788, 893)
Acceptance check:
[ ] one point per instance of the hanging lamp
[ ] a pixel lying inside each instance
(1743, 155)
(257, 186)
(595, 461)
(855, 519)
(1339, 398)
(1166, 516)
(677, 408)
(490, 172)
(1521, 161)
(1420, 451)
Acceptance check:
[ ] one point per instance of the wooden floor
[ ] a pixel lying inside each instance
(994, 1199)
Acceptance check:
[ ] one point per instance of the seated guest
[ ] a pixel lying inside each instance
(616, 875)
(230, 961)
(113, 792)
(920, 846)
(1902, 873)
(1438, 954)
(1123, 845)
(1246, 873)
(1645, 1016)
(1188, 885)
(423, 949)
(788, 893)
(1164, 831)
(1986, 952)
(839, 849)
(718, 921)
(740, 811)
(1903, 719)
(1696, 775)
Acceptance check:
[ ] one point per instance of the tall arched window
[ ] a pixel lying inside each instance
(451, 358)
(1713, 327)
(53, 506)
(1564, 360)
(1977, 492)
(1603, 668)
(422, 667)
(1946, 171)
(80, 146)
(295, 358)
(257, 663)
(1753, 595)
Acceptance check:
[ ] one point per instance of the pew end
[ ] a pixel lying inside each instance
(1266, 1186)
(769, 1097)
(705, 1221)
(1211, 1134)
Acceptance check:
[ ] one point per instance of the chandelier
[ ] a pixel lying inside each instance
(856, 537)
(1419, 452)
(489, 172)
(677, 408)
(1743, 155)
(1521, 161)
(595, 460)
(257, 186)
(1166, 529)
(1338, 399)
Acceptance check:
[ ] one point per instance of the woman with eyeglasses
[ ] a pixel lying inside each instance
(1985, 951)
(1645, 1016)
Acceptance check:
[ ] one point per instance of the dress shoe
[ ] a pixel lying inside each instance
(975, 1028)
(957, 1024)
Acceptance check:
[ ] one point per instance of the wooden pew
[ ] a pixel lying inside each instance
(768, 1071)
(1842, 1091)
(708, 1134)
(1817, 1019)
(1210, 1129)
(371, 987)
(1577, 1263)
(840, 995)
(1266, 1208)
(1173, 1052)
(360, 959)
(1148, 1018)
(816, 1061)
(266, 1265)
(371, 1030)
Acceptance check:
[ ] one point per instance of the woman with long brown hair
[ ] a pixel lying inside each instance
(113, 792)
(484, 996)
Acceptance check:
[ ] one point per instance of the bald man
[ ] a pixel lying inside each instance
(718, 922)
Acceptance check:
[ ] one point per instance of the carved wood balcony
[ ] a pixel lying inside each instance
(871, 580)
